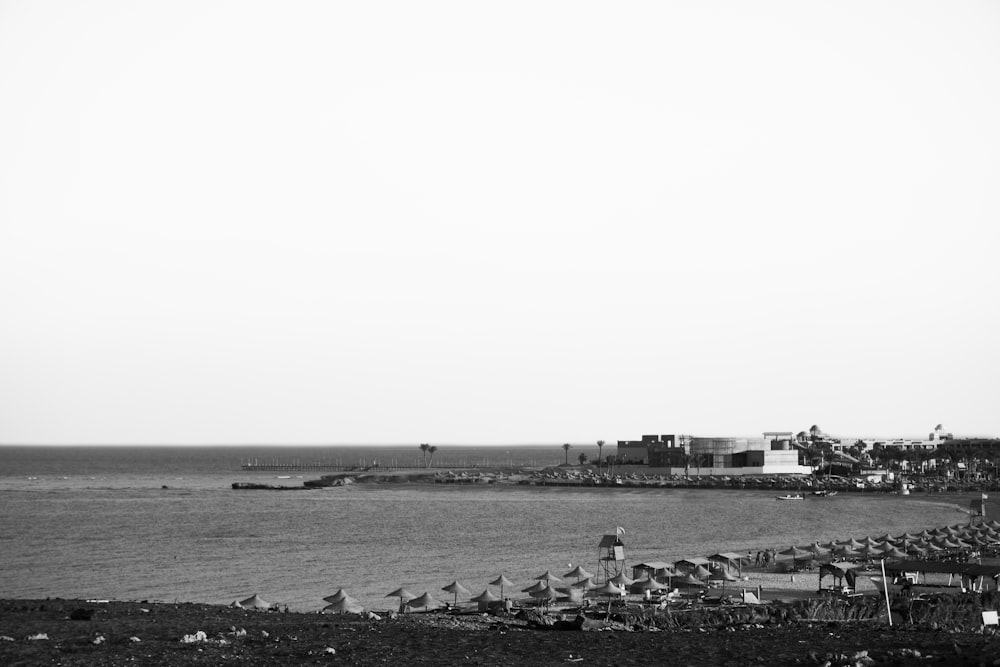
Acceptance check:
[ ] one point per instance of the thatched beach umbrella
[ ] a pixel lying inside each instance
(796, 554)
(873, 550)
(549, 577)
(424, 601)
(723, 576)
(818, 551)
(585, 584)
(701, 572)
(579, 573)
(484, 599)
(336, 597)
(501, 581)
(537, 586)
(402, 594)
(621, 579)
(485, 596)
(255, 602)
(457, 589)
(546, 594)
(346, 605)
(609, 589)
(845, 552)
(647, 584)
(894, 552)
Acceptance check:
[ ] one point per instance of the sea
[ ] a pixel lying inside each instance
(164, 524)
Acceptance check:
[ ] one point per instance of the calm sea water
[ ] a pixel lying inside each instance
(97, 522)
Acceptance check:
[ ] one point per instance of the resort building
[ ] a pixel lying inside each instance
(772, 454)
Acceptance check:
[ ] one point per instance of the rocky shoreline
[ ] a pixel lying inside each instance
(76, 632)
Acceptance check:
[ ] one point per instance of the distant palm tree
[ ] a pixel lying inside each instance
(423, 448)
(566, 449)
(600, 450)
(431, 450)
(582, 457)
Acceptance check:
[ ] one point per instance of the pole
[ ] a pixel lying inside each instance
(885, 584)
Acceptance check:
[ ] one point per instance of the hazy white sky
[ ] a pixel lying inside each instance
(510, 222)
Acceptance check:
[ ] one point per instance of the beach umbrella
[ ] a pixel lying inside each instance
(647, 584)
(346, 605)
(722, 576)
(845, 551)
(579, 573)
(402, 594)
(796, 554)
(872, 550)
(894, 553)
(817, 551)
(851, 544)
(336, 597)
(609, 589)
(424, 601)
(457, 589)
(537, 586)
(908, 537)
(501, 581)
(621, 579)
(585, 584)
(549, 577)
(484, 599)
(485, 596)
(701, 572)
(255, 602)
(546, 593)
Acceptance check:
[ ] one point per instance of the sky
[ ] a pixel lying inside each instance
(518, 222)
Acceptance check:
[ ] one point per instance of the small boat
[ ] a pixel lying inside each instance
(823, 493)
(789, 497)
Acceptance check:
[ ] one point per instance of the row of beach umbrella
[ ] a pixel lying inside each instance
(948, 538)
(549, 587)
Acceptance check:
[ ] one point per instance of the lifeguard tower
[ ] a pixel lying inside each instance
(611, 556)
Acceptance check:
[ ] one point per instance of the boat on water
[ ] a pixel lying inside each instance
(824, 493)
(789, 497)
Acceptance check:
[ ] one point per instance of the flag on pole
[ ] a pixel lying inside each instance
(621, 531)
(985, 496)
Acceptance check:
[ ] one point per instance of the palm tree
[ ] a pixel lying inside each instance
(600, 449)
(423, 448)
(566, 449)
(582, 457)
(431, 450)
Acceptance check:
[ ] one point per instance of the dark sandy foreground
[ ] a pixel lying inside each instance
(106, 638)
